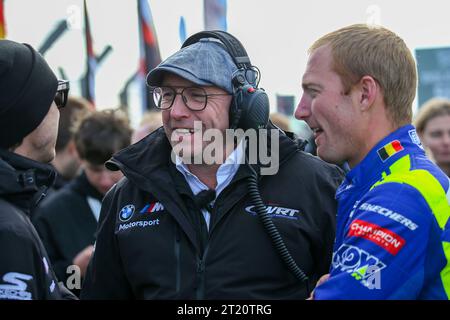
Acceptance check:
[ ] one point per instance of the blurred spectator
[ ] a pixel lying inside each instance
(149, 123)
(304, 137)
(305, 133)
(433, 126)
(66, 161)
(281, 121)
(67, 221)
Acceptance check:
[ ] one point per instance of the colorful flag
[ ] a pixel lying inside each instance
(215, 14)
(88, 86)
(2, 21)
(182, 30)
(389, 150)
(149, 51)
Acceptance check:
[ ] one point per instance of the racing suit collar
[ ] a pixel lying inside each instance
(383, 155)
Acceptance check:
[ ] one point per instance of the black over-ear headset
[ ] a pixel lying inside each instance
(250, 105)
(250, 110)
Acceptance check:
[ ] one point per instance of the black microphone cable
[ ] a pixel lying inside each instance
(271, 229)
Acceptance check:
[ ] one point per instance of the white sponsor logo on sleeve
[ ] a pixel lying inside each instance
(15, 287)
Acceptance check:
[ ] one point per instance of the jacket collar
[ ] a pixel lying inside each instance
(24, 182)
(83, 187)
(148, 159)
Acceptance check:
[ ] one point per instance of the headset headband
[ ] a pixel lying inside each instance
(250, 104)
(233, 46)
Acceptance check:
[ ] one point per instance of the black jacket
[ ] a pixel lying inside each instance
(66, 224)
(149, 246)
(25, 270)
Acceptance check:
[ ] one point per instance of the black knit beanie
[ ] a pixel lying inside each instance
(27, 89)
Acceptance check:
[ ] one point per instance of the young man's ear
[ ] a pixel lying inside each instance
(72, 149)
(369, 91)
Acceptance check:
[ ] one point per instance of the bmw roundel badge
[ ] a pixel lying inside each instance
(126, 213)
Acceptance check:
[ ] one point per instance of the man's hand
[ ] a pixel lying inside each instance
(82, 259)
(321, 280)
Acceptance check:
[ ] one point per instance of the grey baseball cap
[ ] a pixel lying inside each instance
(205, 63)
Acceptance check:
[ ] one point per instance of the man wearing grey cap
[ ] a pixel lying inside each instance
(175, 228)
(30, 96)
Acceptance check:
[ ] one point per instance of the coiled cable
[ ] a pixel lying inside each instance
(272, 230)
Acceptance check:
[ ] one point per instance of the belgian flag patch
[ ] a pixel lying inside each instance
(389, 150)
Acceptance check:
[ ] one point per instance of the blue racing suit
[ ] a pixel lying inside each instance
(393, 235)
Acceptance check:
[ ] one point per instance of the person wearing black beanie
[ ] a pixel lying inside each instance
(29, 93)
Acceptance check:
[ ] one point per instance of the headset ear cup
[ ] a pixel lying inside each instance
(250, 105)
(255, 109)
(235, 109)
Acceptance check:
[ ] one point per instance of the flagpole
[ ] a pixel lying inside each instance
(88, 82)
(60, 28)
(149, 52)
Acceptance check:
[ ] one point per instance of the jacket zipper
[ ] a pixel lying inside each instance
(177, 259)
(200, 281)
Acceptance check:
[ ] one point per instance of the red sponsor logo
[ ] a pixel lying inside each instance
(382, 237)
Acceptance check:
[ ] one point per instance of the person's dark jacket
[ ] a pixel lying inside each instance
(66, 224)
(149, 246)
(60, 182)
(25, 269)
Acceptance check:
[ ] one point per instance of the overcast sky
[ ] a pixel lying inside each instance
(276, 33)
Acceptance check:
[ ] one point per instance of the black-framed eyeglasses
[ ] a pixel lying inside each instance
(62, 93)
(195, 98)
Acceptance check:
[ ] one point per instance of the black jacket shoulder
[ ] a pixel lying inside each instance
(28, 275)
(315, 165)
